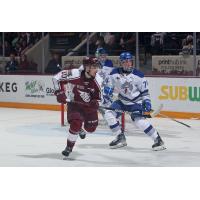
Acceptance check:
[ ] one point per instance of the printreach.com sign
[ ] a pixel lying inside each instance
(173, 63)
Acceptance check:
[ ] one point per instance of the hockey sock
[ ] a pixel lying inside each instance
(113, 123)
(145, 126)
(71, 139)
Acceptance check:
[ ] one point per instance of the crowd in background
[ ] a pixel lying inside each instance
(18, 43)
(150, 43)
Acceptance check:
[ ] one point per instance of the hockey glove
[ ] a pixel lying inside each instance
(146, 104)
(108, 91)
(61, 97)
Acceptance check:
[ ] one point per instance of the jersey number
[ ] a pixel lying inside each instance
(145, 84)
(66, 73)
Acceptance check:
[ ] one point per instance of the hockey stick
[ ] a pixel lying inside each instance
(162, 115)
(137, 114)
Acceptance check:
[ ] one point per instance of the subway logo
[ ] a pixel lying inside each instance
(180, 93)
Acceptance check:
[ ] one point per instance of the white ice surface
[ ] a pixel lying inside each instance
(35, 138)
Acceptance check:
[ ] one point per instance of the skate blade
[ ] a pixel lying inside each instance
(68, 158)
(160, 148)
(118, 146)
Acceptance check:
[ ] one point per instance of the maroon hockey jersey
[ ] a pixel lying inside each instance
(83, 89)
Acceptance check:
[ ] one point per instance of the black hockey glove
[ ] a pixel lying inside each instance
(61, 97)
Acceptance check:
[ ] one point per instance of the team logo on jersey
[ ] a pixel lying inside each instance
(127, 86)
(85, 96)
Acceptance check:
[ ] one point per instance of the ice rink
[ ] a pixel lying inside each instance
(35, 138)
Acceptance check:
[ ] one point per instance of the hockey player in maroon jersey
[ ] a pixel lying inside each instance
(82, 109)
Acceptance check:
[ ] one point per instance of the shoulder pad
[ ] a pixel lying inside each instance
(138, 73)
(115, 71)
(108, 63)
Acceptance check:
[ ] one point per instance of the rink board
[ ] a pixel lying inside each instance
(180, 96)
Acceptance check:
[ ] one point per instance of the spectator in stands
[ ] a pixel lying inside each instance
(54, 65)
(187, 46)
(24, 63)
(34, 38)
(111, 42)
(24, 47)
(127, 41)
(157, 40)
(18, 49)
(8, 48)
(12, 65)
(100, 43)
(109, 38)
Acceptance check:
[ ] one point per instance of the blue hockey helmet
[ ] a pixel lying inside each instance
(101, 54)
(124, 57)
(100, 51)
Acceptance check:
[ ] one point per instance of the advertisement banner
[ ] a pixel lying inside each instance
(27, 89)
(167, 64)
(177, 94)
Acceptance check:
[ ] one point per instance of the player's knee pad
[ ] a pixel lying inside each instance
(110, 117)
(142, 123)
(75, 125)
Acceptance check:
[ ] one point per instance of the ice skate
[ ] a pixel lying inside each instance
(82, 134)
(67, 151)
(119, 141)
(158, 144)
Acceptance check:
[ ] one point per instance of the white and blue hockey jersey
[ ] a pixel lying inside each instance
(132, 88)
(105, 70)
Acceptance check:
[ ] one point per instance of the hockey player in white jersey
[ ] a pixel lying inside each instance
(106, 66)
(133, 97)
